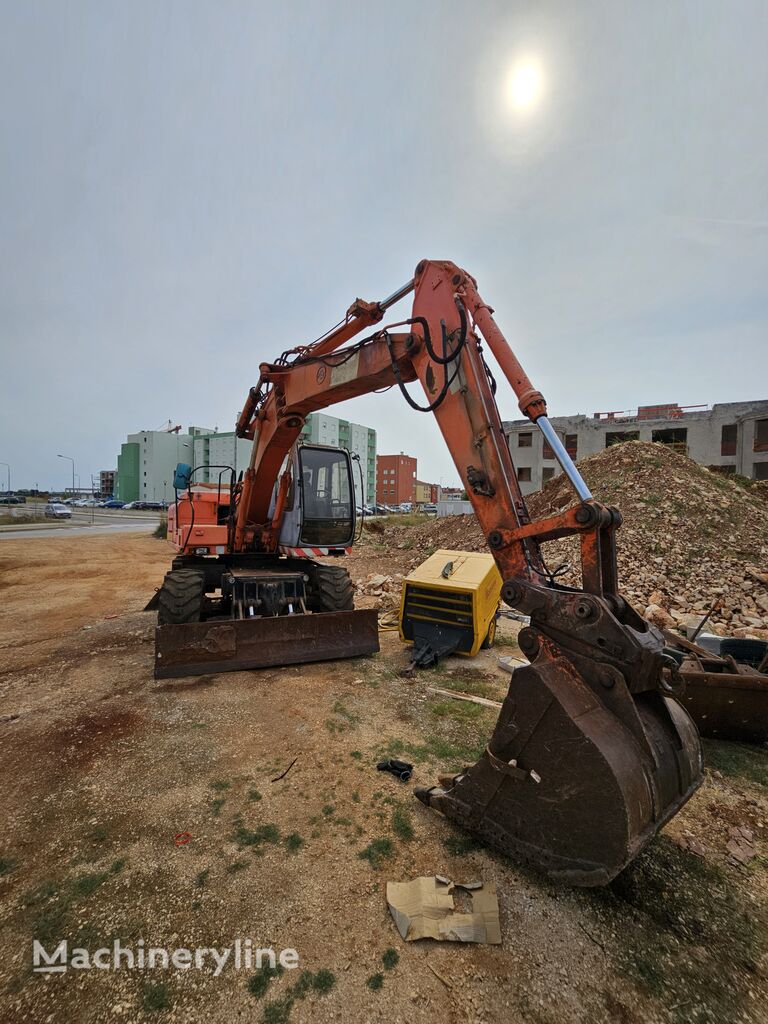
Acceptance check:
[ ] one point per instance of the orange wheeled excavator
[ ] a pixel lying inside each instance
(592, 752)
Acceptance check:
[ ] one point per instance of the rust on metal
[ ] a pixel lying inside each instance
(195, 648)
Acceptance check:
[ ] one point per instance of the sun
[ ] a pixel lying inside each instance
(525, 84)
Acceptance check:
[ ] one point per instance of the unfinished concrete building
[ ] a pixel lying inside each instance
(731, 437)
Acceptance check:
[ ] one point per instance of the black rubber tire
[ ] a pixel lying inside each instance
(331, 589)
(181, 597)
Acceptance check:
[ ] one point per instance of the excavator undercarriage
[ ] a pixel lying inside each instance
(592, 752)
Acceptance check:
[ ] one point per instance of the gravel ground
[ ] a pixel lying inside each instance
(103, 767)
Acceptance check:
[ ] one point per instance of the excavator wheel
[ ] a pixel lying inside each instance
(181, 597)
(331, 589)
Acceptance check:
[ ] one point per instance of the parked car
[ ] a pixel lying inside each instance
(114, 503)
(56, 511)
(429, 507)
(9, 499)
(133, 505)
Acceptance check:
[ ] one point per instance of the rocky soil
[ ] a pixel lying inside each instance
(690, 538)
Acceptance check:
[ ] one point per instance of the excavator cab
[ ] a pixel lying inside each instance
(319, 509)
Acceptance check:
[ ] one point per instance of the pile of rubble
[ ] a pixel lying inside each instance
(690, 537)
(386, 589)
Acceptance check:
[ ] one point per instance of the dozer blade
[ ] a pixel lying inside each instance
(569, 785)
(731, 706)
(194, 648)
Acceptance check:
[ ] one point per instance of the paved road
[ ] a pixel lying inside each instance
(137, 526)
(84, 522)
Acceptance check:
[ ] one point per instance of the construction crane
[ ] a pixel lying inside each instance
(592, 753)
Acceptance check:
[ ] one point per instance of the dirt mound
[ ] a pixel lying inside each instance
(690, 536)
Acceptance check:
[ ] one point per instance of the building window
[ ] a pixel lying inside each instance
(572, 444)
(760, 471)
(620, 436)
(728, 439)
(525, 440)
(761, 439)
(547, 473)
(675, 437)
(547, 453)
(524, 474)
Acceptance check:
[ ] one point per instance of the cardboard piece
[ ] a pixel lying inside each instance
(425, 909)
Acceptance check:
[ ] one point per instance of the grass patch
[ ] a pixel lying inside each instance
(436, 748)
(161, 530)
(344, 712)
(375, 982)
(401, 824)
(220, 785)
(216, 805)
(98, 834)
(694, 937)
(328, 810)
(7, 865)
(357, 754)
(255, 837)
(390, 958)
(236, 865)
(461, 843)
(477, 684)
(377, 851)
(201, 878)
(278, 1011)
(323, 981)
(155, 997)
(258, 983)
(254, 794)
(293, 842)
(737, 760)
(87, 884)
(459, 710)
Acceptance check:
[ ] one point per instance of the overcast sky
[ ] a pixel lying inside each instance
(188, 188)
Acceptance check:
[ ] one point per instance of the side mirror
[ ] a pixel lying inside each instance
(181, 477)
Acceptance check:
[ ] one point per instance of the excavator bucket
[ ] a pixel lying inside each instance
(569, 785)
(195, 648)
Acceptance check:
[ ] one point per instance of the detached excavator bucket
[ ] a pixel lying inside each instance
(572, 782)
(195, 648)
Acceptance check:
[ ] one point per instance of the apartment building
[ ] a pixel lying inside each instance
(395, 479)
(730, 437)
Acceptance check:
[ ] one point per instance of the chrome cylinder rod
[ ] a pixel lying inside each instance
(565, 460)
(396, 296)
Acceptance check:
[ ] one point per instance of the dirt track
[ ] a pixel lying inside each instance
(103, 767)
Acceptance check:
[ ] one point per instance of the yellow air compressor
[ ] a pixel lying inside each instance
(449, 606)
